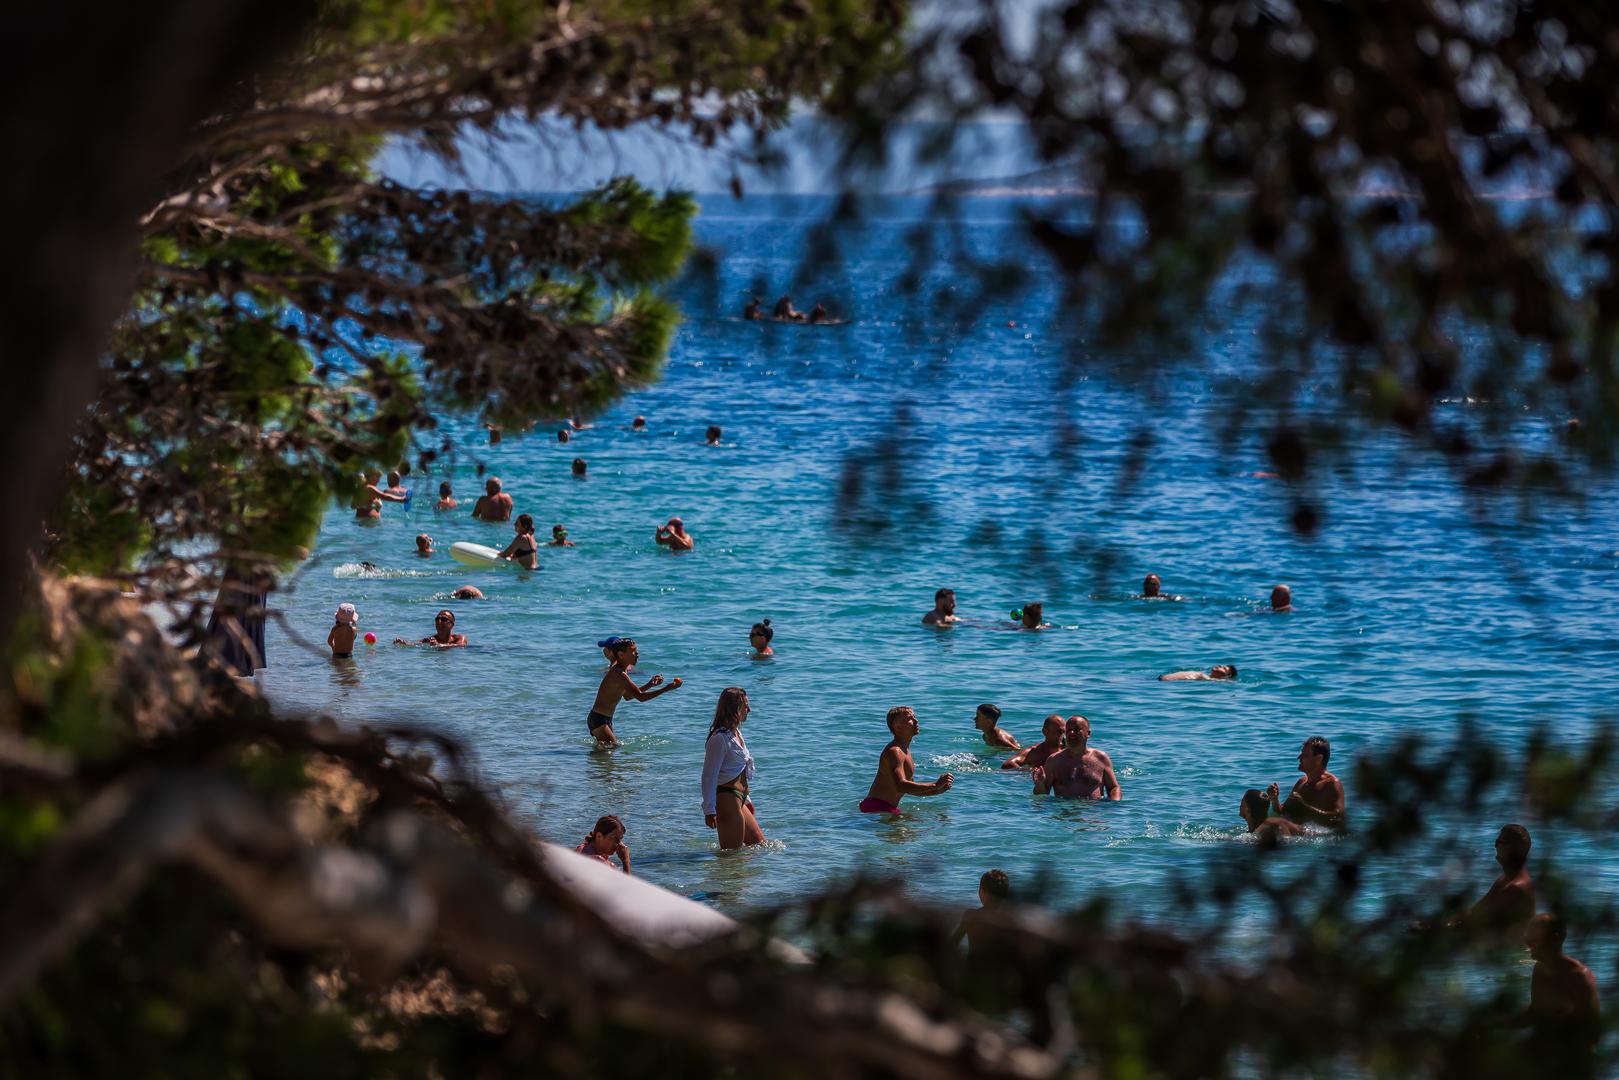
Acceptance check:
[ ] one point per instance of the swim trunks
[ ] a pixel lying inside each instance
(598, 720)
(877, 806)
(342, 656)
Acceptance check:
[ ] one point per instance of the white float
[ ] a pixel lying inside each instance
(470, 554)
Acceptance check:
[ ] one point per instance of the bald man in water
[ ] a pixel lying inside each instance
(1078, 770)
(1281, 599)
(1034, 756)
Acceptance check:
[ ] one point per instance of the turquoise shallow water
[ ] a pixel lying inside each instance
(990, 467)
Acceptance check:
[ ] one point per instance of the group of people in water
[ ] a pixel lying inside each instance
(753, 311)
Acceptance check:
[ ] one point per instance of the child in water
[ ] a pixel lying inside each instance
(446, 498)
(617, 686)
(341, 639)
(993, 889)
(605, 841)
(559, 537)
(523, 550)
(986, 720)
(759, 637)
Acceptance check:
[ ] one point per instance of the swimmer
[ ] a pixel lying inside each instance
(638, 424)
(617, 686)
(579, 468)
(712, 435)
(986, 720)
(369, 498)
(785, 311)
(1509, 903)
(493, 504)
(559, 537)
(341, 639)
(1217, 673)
(468, 592)
(993, 889)
(896, 771)
(944, 609)
(754, 310)
(1152, 589)
(605, 841)
(396, 487)
(759, 637)
(674, 536)
(1318, 796)
(1565, 1011)
(523, 550)
(1281, 599)
(446, 498)
(443, 637)
(563, 436)
(1032, 617)
(1032, 757)
(1078, 770)
(424, 545)
(727, 774)
(818, 314)
(1255, 811)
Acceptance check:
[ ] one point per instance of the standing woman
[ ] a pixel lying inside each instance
(727, 769)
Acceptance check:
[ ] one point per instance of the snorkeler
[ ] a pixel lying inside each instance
(674, 536)
(444, 636)
(523, 550)
(1255, 812)
(1078, 770)
(494, 504)
(559, 537)
(896, 770)
(1317, 796)
(759, 637)
(617, 686)
(986, 719)
(1032, 757)
(944, 609)
(1217, 673)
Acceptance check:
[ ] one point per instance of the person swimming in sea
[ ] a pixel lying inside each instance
(759, 637)
(444, 635)
(713, 434)
(1217, 673)
(446, 498)
(1152, 589)
(994, 887)
(674, 536)
(524, 549)
(1255, 812)
(617, 686)
(1078, 770)
(468, 592)
(424, 545)
(493, 504)
(1281, 599)
(987, 719)
(1031, 617)
(785, 312)
(944, 609)
(1317, 796)
(559, 537)
(1032, 757)
(579, 468)
(753, 310)
(896, 770)
(638, 424)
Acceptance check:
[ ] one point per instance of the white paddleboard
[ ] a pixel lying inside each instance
(470, 554)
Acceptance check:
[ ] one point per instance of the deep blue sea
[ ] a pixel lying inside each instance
(866, 465)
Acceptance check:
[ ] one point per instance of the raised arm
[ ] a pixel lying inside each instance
(646, 693)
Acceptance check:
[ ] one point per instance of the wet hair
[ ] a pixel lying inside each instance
(762, 627)
(1518, 835)
(422, 541)
(640, 421)
(617, 646)
(525, 522)
(1035, 611)
(728, 711)
(940, 594)
(578, 466)
(444, 489)
(1229, 667)
(995, 883)
(563, 436)
(899, 712)
(991, 711)
(1318, 744)
(713, 432)
(605, 824)
(556, 529)
(1258, 807)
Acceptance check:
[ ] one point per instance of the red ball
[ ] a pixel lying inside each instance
(370, 638)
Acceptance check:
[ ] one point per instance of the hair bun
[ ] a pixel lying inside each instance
(767, 622)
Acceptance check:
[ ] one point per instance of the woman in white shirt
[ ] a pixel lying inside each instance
(727, 769)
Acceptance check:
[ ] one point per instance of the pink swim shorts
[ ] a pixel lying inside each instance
(877, 806)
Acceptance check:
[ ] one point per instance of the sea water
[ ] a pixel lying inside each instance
(864, 466)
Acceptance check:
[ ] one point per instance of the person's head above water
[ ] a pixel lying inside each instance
(1314, 755)
(443, 623)
(1545, 936)
(348, 615)
(524, 524)
(558, 532)
(944, 600)
(678, 526)
(444, 489)
(424, 543)
(578, 466)
(903, 718)
(492, 485)
(393, 479)
(987, 715)
(1151, 585)
(1512, 847)
(1281, 598)
(761, 633)
(1033, 615)
(1254, 808)
(1076, 730)
(1051, 729)
(994, 887)
(1223, 671)
(638, 423)
(563, 436)
(713, 434)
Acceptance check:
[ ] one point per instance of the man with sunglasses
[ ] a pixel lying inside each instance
(443, 637)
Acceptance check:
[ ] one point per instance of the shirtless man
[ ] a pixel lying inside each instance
(896, 771)
(444, 635)
(674, 536)
(944, 609)
(785, 311)
(1509, 903)
(617, 686)
(1215, 674)
(1078, 771)
(494, 504)
(1318, 796)
(1565, 1012)
(1152, 589)
(1281, 599)
(986, 720)
(1032, 757)
(1255, 811)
